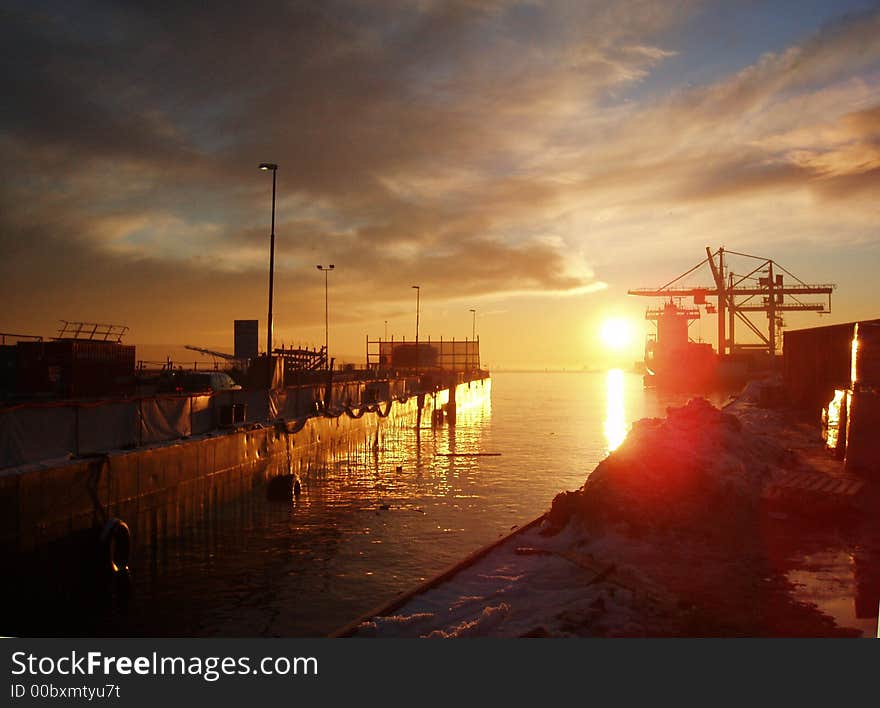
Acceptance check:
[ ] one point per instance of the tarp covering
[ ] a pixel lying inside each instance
(107, 426)
(34, 432)
(30, 434)
(346, 394)
(257, 402)
(164, 418)
(296, 402)
(202, 414)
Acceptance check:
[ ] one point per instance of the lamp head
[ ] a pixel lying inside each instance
(268, 166)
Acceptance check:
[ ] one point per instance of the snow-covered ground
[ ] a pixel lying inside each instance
(705, 523)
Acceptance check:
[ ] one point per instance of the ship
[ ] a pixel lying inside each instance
(672, 358)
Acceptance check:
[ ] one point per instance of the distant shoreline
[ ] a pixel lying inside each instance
(625, 369)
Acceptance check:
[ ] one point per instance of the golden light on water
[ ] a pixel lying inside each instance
(615, 421)
(834, 418)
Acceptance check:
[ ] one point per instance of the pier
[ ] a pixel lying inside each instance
(57, 513)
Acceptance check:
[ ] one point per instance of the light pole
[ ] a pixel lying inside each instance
(271, 166)
(386, 329)
(418, 295)
(326, 271)
(473, 335)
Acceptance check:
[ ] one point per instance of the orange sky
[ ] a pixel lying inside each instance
(530, 160)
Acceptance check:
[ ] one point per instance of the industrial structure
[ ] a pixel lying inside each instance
(766, 288)
(425, 356)
(86, 359)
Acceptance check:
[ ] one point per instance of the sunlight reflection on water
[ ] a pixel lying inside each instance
(375, 523)
(615, 418)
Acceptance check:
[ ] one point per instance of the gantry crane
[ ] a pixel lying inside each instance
(762, 289)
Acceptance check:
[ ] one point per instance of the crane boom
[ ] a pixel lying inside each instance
(211, 352)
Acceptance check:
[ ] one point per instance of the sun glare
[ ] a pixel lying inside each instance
(616, 333)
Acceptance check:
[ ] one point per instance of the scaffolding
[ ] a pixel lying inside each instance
(442, 354)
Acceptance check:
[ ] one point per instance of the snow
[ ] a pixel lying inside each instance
(671, 535)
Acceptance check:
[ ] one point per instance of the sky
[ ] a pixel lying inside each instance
(530, 160)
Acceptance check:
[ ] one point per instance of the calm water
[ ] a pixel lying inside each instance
(377, 524)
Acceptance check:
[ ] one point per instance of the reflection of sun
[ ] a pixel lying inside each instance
(616, 333)
(615, 418)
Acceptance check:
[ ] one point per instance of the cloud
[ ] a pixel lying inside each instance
(479, 148)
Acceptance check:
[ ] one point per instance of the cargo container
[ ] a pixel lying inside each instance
(69, 368)
(818, 360)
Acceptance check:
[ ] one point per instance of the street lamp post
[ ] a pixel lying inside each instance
(326, 270)
(473, 336)
(418, 295)
(271, 166)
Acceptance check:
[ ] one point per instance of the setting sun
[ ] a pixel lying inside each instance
(616, 333)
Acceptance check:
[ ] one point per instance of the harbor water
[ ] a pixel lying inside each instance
(378, 522)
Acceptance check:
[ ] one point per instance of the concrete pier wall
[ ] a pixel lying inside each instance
(157, 490)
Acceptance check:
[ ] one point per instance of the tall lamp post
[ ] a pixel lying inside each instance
(271, 166)
(473, 335)
(326, 270)
(418, 295)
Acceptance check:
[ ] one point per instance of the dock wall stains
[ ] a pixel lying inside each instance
(157, 490)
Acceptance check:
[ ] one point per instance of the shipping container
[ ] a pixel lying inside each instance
(817, 361)
(74, 369)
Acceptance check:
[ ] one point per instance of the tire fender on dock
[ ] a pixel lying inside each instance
(115, 543)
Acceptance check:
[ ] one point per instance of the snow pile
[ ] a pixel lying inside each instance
(382, 625)
(509, 593)
(489, 620)
(667, 537)
(697, 468)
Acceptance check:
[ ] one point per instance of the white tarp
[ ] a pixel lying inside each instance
(31, 433)
(107, 426)
(165, 418)
(34, 433)
(295, 402)
(257, 402)
(202, 414)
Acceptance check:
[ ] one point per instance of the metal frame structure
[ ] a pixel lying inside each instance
(449, 357)
(298, 359)
(91, 331)
(19, 337)
(737, 295)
